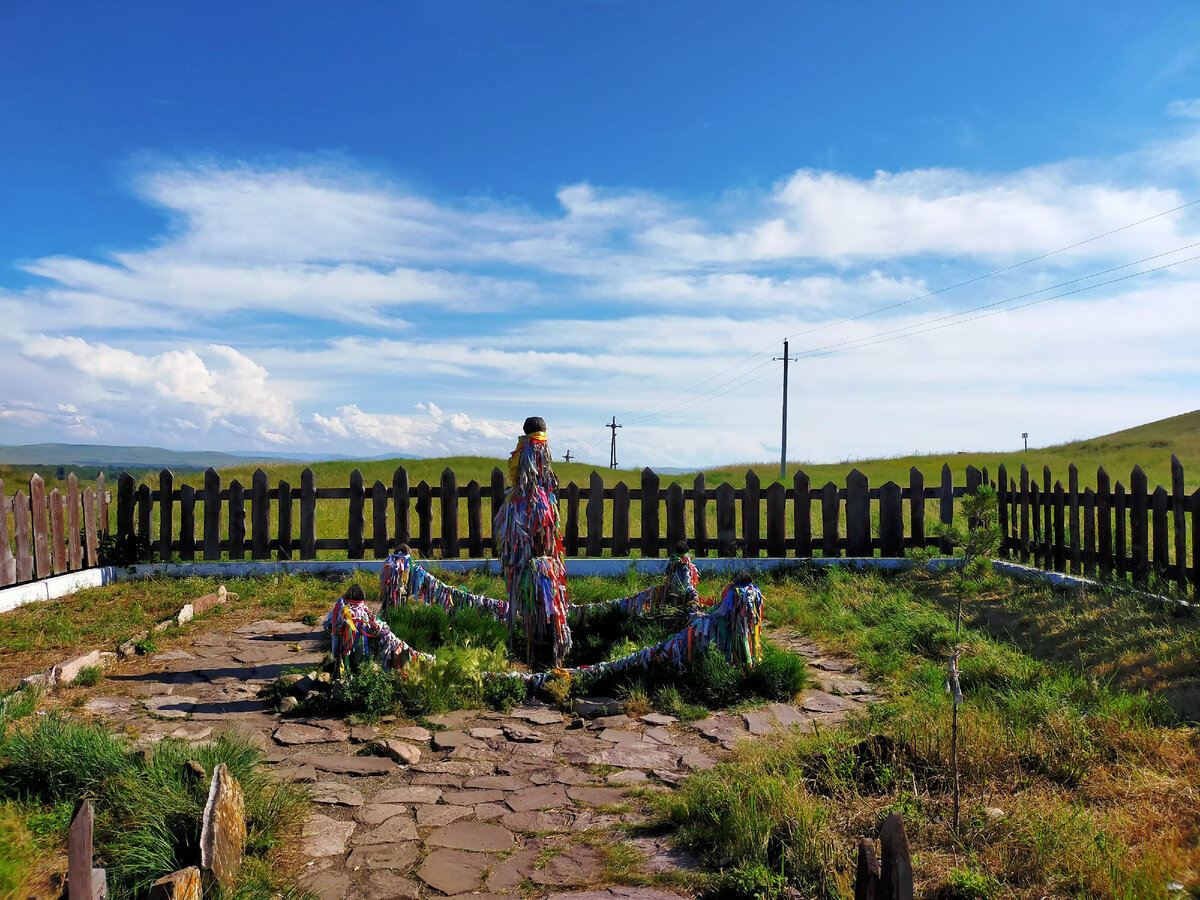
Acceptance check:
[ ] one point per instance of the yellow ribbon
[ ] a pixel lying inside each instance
(515, 457)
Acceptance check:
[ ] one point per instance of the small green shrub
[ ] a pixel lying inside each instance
(430, 628)
(968, 884)
(146, 645)
(669, 700)
(17, 853)
(503, 693)
(752, 881)
(89, 676)
(309, 619)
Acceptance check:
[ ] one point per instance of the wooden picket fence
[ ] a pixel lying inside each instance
(1123, 532)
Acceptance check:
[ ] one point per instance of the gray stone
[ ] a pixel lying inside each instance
(666, 776)
(485, 812)
(697, 761)
(455, 719)
(616, 721)
(660, 856)
(659, 719)
(820, 702)
(477, 836)
(433, 779)
(294, 774)
(378, 813)
(323, 836)
(393, 830)
(362, 734)
(413, 733)
(596, 796)
(326, 884)
(520, 734)
(627, 776)
(472, 797)
(193, 733)
(555, 822)
(395, 855)
(293, 733)
(561, 775)
(760, 721)
(399, 751)
(619, 736)
(788, 715)
(509, 874)
(347, 765)
(108, 704)
(634, 756)
(449, 740)
(485, 734)
(334, 794)
(431, 816)
(287, 704)
(172, 656)
(67, 672)
(409, 794)
(659, 735)
(720, 728)
(388, 886)
(497, 782)
(579, 864)
(589, 707)
(453, 871)
(170, 706)
(538, 715)
(550, 796)
(831, 664)
(464, 767)
(185, 615)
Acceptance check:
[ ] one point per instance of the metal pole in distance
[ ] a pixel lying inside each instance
(783, 441)
(612, 453)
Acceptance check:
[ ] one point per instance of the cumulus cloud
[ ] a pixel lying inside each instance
(432, 434)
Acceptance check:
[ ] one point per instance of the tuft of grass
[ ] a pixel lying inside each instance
(89, 676)
(17, 852)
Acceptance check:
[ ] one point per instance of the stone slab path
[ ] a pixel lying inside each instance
(480, 804)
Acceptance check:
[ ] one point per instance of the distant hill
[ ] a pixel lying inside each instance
(107, 457)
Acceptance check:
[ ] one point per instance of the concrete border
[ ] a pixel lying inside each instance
(58, 586)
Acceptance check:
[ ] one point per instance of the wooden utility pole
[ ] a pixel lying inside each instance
(567, 457)
(783, 442)
(612, 453)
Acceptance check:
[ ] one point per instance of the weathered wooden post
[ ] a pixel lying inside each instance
(187, 522)
(424, 510)
(947, 506)
(858, 515)
(595, 514)
(260, 516)
(356, 517)
(237, 520)
(308, 514)
(400, 506)
(73, 523)
(891, 520)
(916, 505)
(212, 514)
(285, 520)
(379, 520)
(891, 877)
(620, 520)
(571, 531)
(776, 520)
(726, 521)
(699, 516)
(449, 504)
(751, 510)
(8, 564)
(475, 517)
(650, 535)
(830, 526)
(802, 514)
(84, 880)
(676, 527)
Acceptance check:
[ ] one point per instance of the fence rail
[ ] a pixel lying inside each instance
(1129, 532)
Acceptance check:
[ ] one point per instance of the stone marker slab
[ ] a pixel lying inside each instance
(67, 672)
(223, 829)
(453, 871)
(450, 740)
(475, 836)
(384, 856)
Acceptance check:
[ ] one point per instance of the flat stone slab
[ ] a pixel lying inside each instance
(470, 797)
(395, 829)
(521, 734)
(292, 734)
(577, 865)
(476, 836)
(697, 761)
(549, 796)
(485, 734)
(378, 813)
(628, 776)
(633, 756)
(510, 873)
(411, 794)
(556, 822)
(618, 893)
(561, 775)
(596, 796)
(659, 719)
(498, 782)
(384, 856)
(720, 728)
(361, 734)
(620, 736)
(109, 704)
(431, 816)
(335, 794)
(323, 836)
(328, 884)
(620, 720)
(347, 765)
(450, 740)
(463, 767)
(820, 702)
(413, 733)
(453, 871)
(788, 715)
(384, 885)
(661, 856)
(455, 719)
(172, 656)
(538, 715)
(192, 732)
(760, 721)
(170, 706)
(486, 812)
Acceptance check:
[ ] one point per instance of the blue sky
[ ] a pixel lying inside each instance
(371, 227)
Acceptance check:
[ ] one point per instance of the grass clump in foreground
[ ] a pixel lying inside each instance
(148, 808)
(1098, 792)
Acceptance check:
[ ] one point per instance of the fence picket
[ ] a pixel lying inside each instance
(166, 512)
(891, 520)
(947, 506)
(1104, 521)
(1025, 513)
(676, 525)
(41, 540)
(1060, 541)
(829, 521)
(126, 506)
(1034, 499)
(21, 537)
(1196, 543)
(1138, 526)
(1120, 541)
(91, 547)
(1180, 568)
(260, 516)
(187, 522)
(751, 510)
(1089, 532)
(497, 495)
(284, 544)
(1073, 502)
(726, 521)
(595, 514)
(650, 502)
(308, 514)
(8, 564)
(237, 520)
(212, 513)
(73, 542)
(356, 517)
(475, 518)
(571, 531)
(102, 524)
(858, 515)
(776, 520)
(379, 519)
(620, 519)
(449, 500)
(424, 510)
(916, 506)
(1002, 500)
(400, 505)
(58, 542)
(1162, 558)
(145, 518)
(699, 517)
(802, 515)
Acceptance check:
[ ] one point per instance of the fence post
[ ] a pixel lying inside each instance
(858, 515)
(620, 520)
(145, 514)
(76, 548)
(237, 520)
(379, 519)
(1002, 501)
(102, 524)
(895, 860)
(21, 537)
(58, 537)
(829, 521)
(1196, 543)
(1089, 532)
(8, 564)
(595, 514)
(38, 509)
(916, 506)
(424, 508)
(90, 544)
(212, 514)
(1138, 526)
(947, 506)
(126, 507)
(1178, 499)
(676, 528)
(1060, 538)
(497, 498)
(475, 517)
(1048, 524)
(449, 510)
(166, 513)
(751, 511)
(776, 520)
(699, 516)
(1025, 513)
(650, 536)
(1162, 560)
(571, 531)
(260, 516)
(1034, 499)
(400, 505)
(1073, 500)
(284, 544)
(308, 514)
(355, 517)
(802, 515)
(84, 881)
(1120, 541)
(726, 521)
(1104, 521)
(891, 520)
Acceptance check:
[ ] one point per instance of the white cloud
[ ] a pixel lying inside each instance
(1184, 109)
